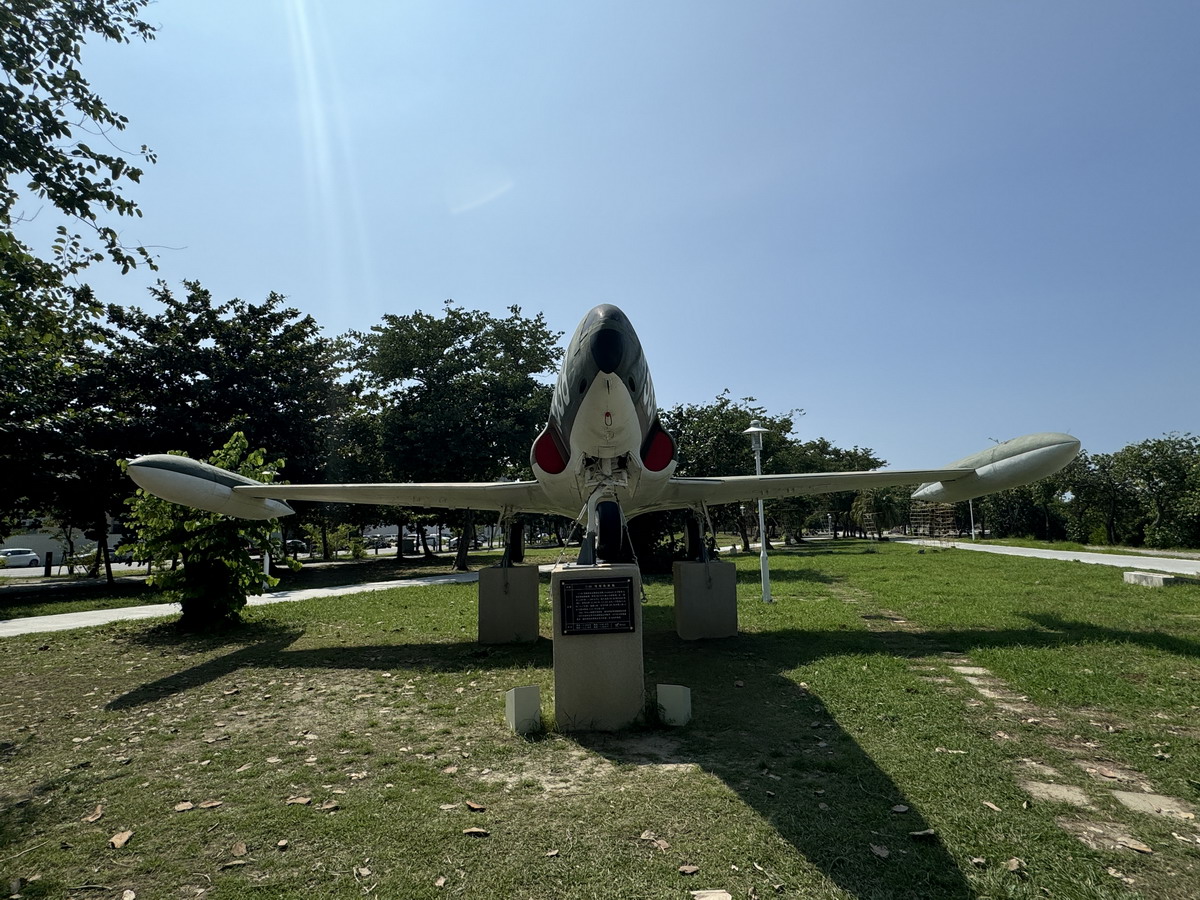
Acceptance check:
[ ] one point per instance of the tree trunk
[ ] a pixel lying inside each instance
(425, 544)
(465, 540)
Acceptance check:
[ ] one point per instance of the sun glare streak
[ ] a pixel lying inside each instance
(335, 214)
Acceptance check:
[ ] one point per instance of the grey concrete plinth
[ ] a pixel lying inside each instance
(1149, 579)
(523, 709)
(705, 600)
(508, 605)
(674, 704)
(599, 684)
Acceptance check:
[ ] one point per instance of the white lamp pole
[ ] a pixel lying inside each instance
(756, 431)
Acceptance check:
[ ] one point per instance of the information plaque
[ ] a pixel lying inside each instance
(597, 606)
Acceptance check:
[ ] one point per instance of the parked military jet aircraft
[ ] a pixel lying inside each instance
(602, 453)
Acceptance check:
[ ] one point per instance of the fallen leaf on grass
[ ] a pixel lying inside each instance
(211, 804)
(362, 872)
(661, 845)
(881, 851)
(1134, 845)
(450, 770)
(299, 801)
(1118, 874)
(329, 805)
(184, 806)
(475, 807)
(979, 862)
(711, 895)
(1016, 865)
(128, 895)
(899, 808)
(447, 806)
(274, 759)
(992, 806)
(120, 839)
(96, 816)
(688, 870)
(552, 853)
(441, 881)
(927, 835)
(242, 768)
(281, 845)
(233, 864)
(475, 831)
(648, 836)
(239, 849)
(944, 750)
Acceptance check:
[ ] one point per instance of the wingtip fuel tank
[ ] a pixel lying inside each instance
(190, 482)
(1011, 464)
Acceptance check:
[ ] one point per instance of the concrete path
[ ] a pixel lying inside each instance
(66, 621)
(1167, 564)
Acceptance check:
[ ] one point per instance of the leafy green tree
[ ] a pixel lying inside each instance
(189, 375)
(710, 442)
(1164, 474)
(462, 395)
(217, 572)
(46, 104)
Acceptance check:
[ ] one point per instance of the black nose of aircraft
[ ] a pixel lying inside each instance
(608, 349)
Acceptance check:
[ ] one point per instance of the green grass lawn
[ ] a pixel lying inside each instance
(831, 729)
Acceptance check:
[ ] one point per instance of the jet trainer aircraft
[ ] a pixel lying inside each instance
(602, 454)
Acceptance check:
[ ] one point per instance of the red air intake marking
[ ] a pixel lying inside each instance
(546, 454)
(659, 453)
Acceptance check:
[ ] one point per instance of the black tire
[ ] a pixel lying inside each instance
(611, 538)
(33, 563)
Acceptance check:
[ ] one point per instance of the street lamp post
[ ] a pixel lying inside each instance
(756, 431)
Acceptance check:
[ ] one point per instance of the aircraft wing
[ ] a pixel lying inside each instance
(680, 492)
(517, 496)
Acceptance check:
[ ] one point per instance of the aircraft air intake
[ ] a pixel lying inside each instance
(608, 349)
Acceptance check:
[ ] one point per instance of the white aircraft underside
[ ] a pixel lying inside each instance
(602, 443)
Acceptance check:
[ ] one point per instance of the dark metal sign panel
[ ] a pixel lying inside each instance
(597, 606)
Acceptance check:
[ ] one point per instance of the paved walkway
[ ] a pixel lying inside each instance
(1167, 564)
(66, 621)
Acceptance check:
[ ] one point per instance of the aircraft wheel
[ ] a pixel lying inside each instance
(610, 540)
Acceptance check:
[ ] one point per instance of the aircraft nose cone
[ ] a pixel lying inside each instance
(608, 348)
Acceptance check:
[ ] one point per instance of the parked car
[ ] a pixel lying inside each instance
(16, 556)
(114, 556)
(296, 547)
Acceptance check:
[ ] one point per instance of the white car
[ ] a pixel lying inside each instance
(17, 556)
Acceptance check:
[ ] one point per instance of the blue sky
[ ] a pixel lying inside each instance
(927, 224)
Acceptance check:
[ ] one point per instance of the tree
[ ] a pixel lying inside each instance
(44, 103)
(45, 323)
(709, 442)
(461, 395)
(198, 370)
(217, 572)
(1164, 474)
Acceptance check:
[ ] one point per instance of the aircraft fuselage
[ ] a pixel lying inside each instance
(602, 440)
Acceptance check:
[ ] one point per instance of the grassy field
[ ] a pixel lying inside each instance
(881, 731)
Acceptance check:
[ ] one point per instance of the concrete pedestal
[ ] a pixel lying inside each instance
(508, 605)
(523, 709)
(599, 684)
(674, 704)
(705, 600)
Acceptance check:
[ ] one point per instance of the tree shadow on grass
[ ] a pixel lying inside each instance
(771, 740)
(271, 651)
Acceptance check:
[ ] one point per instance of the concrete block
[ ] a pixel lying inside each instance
(599, 682)
(674, 704)
(523, 709)
(508, 605)
(1150, 579)
(705, 600)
